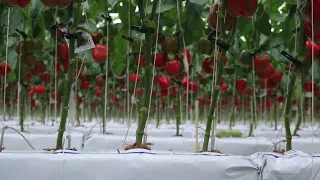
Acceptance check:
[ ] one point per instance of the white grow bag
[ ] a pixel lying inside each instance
(38, 141)
(132, 132)
(307, 145)
(294, 165)
(238, 146)
(277, 134)
(130, 165)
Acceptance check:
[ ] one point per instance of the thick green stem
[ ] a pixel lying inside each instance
(254, 43)
(44, 107)
(215, 92)
(251, 124)
(143, 113)
(103, 102)
(68, 81)
(288, 110)
(158, 110)
(103, 116)
(300, 108)
(84, 109)
(275, 114)
(178, 114)
(22, 108)
(232, 119)
(90, 115)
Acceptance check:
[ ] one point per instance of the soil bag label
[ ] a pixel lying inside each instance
(83, 43)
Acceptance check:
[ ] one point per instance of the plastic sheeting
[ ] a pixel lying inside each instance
(294, 165)
(244, 146)
(157, 165)
(126, 165)
(112, 130)
(308, 145)
(38, 141)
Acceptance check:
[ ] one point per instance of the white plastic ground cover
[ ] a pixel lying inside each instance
(123, 131)
(119, 131)
(307, 145)
(134, 164)
(294, 165)
(276, 134)
(38, 141)
(237, 146)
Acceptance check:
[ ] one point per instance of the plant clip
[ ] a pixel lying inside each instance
(142, 29)
(292, 59)
(132, 54)
(219, 42)
(24, 84)
(107, 18)
(256, 51)
(177, 82)
(23, 34)
(130, 39)
(296, 30)
(72, 36)
(56, 25)
(178, 33)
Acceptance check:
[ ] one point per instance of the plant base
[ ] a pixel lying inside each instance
(54, 149)
(180, 135)
(138, 146)
(296, 134)
(279, 151)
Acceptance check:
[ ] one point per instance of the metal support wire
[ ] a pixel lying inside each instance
(7, 127)
(275, 144)
(93, 127)
(87, 136)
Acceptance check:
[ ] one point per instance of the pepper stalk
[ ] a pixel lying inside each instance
(74, 13)
(215, 92)
(143, 111)
(288, 110)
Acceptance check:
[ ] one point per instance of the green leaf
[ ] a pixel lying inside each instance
(262, 21)
(35, 9)
(276, 42)
(15, 20)
(316, 71)
(163, 8)
(12, 57)
(120, 50)
(11, 77)
(200, 2)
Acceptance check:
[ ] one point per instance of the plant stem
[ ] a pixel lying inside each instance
(103, 97)
(68, 81)
(44, 107)
(178, 114)
(254, 43)
(22, 108)
(158, 109)
(300, 108)
(288, 110)
(215, 92)
(232, 119)
(143, 112)
(251, 124)
(103, 115)
(275, 114)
